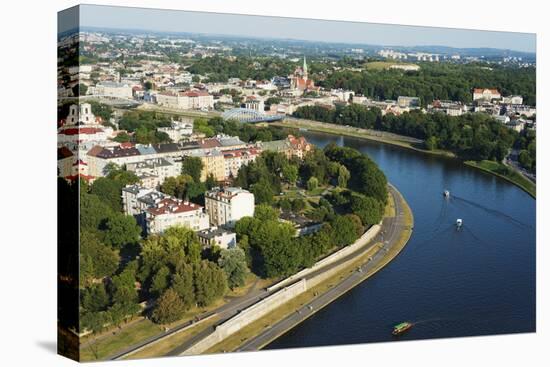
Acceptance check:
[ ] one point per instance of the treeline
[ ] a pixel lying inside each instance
(220, 69)
(471, 136)
(118, 269)
(143, 127)
(359, 201)
(245, 132)
(437, 81)
(526, 144)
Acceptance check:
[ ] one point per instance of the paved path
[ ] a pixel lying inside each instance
(388, 235)
(392, 227)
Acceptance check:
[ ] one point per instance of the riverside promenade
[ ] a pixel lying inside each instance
(320, 288)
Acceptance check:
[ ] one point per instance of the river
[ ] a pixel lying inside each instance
(479, 280)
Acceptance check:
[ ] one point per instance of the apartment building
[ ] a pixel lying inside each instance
(225, 206)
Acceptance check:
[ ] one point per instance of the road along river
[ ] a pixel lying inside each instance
(479, 280)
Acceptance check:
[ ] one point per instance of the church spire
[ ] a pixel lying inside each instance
(305, 68)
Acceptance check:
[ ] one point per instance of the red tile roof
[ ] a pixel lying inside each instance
(172, 206)
(81, 131)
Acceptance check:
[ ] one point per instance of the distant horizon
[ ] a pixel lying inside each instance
(113, 29)
(292, 29)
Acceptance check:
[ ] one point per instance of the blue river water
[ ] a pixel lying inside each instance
(479, 280)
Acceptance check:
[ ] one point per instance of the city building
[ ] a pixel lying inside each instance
(485, 94)
(170, 212)
(112, 89)
(254, 103)
(215, 236)
(160, 168)
(192, 99)
(213, 163)
(235, 159)
(225, 206)
(179, 129)
(290, 147)
(408, 102)
(300, 79)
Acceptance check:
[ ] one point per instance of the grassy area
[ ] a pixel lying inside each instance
(122, 339)
(136, 333)
(507, 173)
(382, 65)
(168, 344)
(234, 342)
(389, 211)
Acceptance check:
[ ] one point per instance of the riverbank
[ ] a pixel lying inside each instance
(505, 173)
(354, 132)
(490, 167)
(348, 275)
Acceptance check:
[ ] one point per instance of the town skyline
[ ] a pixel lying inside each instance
(294, 29)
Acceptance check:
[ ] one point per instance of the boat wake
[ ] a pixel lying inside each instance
(494, 212)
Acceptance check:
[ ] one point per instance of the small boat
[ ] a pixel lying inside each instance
(446, 193)
(459, 223)
(401, 328)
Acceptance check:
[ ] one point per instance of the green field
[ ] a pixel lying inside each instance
(381, 65)
(506, 173)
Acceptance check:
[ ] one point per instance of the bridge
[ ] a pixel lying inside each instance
(249, 115)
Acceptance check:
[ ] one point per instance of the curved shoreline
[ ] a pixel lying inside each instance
(360, 133)
(350, 274)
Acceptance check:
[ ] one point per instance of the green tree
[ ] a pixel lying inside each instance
(343, 176)
(160, 281)
(210, 283)
(265, 212)
(182, 283)
(176, 186)
(124, 288)
(233, 262)
(312, 183)
(290, 173)
(169, 308)
(367, 208)
(344, 231)
(96, 259)
(95, 298)
(298, 205)
(108, 191)
(121, 230)
(431, 143)
(192, 166)
(263, 193)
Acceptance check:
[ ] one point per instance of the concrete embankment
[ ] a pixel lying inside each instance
(334, 268)
(337, 282)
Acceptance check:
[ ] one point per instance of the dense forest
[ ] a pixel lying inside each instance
(171, 268)
(220, 69)
(437, 81)
(357, 203)
(470, 136)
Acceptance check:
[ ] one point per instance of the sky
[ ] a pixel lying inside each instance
(294, 28)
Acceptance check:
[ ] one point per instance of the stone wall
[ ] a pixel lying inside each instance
(362, 241)
(248, 316)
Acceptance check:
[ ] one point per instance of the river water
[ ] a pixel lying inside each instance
(479, 280)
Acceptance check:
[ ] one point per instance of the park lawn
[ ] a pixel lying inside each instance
(170, 343)
(378, 65)
(248, 284)
(136, 333)
(122, 339)
(499, 169)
